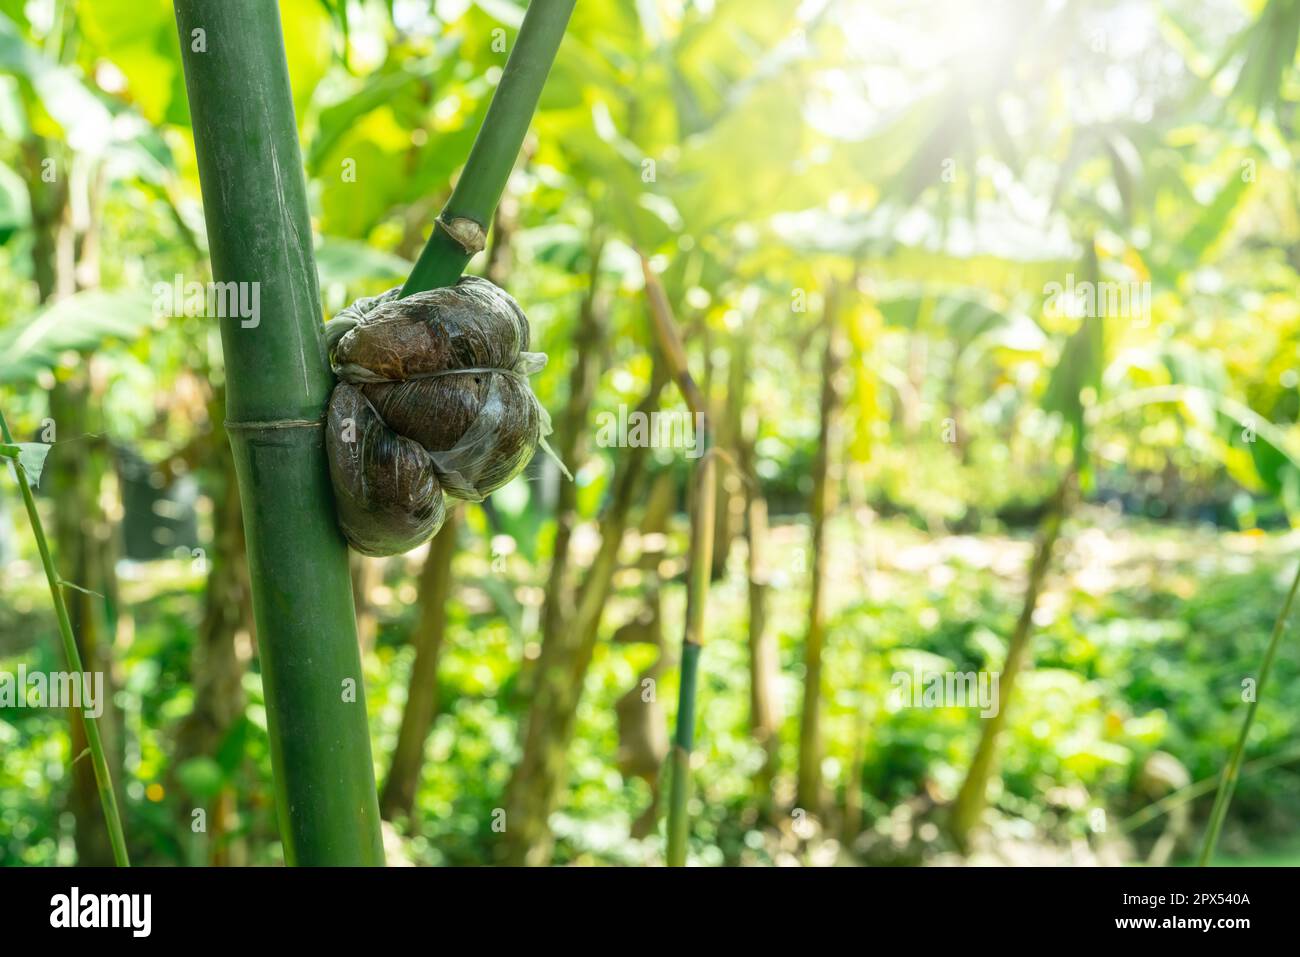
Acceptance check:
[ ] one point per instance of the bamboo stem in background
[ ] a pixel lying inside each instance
(697, 593)
(764, 719)
(809, 787)
(460, 230)
(81, 537)
(704, 499)
(730, 510)
(278, 384)
(366, 573)
(539, 776)
(1228, 783)
(398, 796)
(103, 778)
(217, 665)
(969, 806)
(852, 819)
(764, 664)
(570, 444)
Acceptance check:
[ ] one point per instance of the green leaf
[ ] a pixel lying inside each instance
(79, 323)
(507, 13)
(15, 209)
(30, 455)
(349, 262)
(1126, 169)
(140, 40)
(75, 587)
(1216, 219)
(231, 752)
(383, 87)
(1272, 461)
(338, 11)
(308, 38)
(201, 777)
(65, 98)
(1269, 51)
(1078, 371)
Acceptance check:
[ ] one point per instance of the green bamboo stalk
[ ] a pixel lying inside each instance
(278, 384)
(697, 594)
(704, 495)
(460, 230)
(103, 777)
(1228, 783)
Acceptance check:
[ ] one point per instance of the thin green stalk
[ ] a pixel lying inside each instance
(103, 777)
(1192, 791)
(278, 383)
(701, 561)
(1228, 782)
(679, 824)
(697, 594)
(460, 230)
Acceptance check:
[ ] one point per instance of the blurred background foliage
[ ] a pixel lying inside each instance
(911, 178)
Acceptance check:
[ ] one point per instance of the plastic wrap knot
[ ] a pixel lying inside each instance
(432, 398)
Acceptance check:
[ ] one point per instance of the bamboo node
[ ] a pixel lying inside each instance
(467, 234)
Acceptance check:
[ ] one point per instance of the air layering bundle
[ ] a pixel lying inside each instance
(433, 397)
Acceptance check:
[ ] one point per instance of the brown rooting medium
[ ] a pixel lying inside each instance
(433, 397)
(386, 492)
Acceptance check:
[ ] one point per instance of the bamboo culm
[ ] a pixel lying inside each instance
(278, 383)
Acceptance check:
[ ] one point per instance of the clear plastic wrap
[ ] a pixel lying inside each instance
(433, 397)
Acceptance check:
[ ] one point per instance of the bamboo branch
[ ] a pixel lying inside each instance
(460, 230)
(103, 777)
